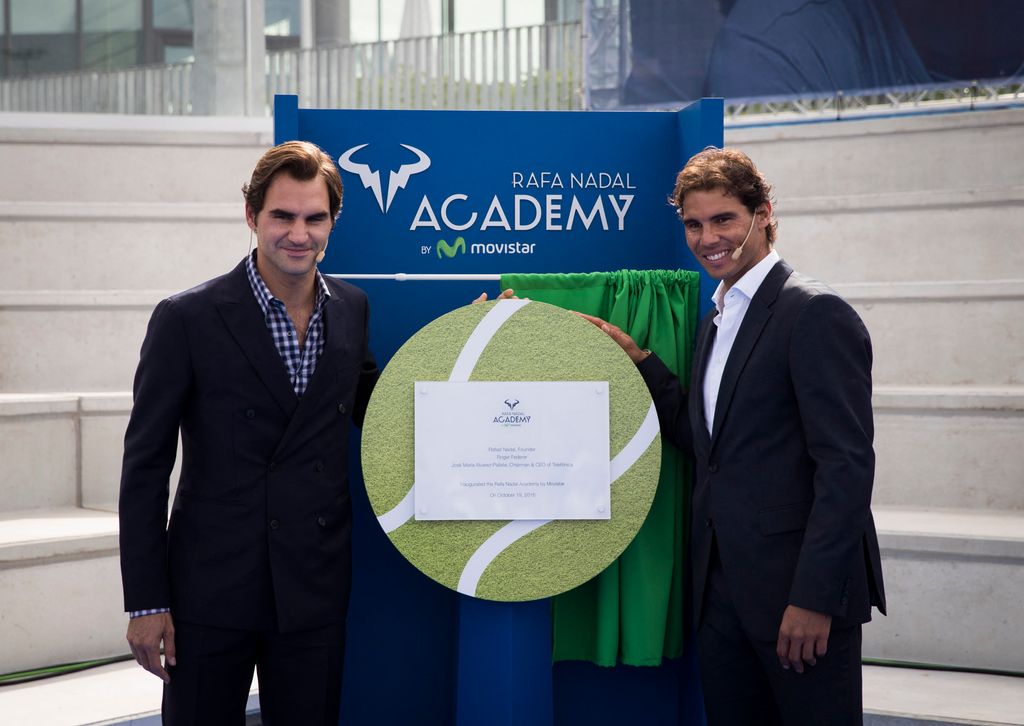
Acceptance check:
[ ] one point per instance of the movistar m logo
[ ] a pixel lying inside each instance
(451, 250)
(396, 179)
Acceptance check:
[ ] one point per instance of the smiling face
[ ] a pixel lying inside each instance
(716, 224)
(291, 229)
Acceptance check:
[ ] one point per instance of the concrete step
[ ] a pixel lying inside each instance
(954, 583)
(84, 211)
(125, 159)
(62, 450)
(909, 236)
(943, 333)
(954, 151)
(949, 446)
(39, 439)
(60, 588)
(907, 697)
(81, 341)
(121, 694)
(936, 446)
(119, 245)
(127, 245)
(923, 334)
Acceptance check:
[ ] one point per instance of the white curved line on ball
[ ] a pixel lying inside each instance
(637, 445)
(481, 336)
(464, 365)
(504, 537)
(400, 513)
(491, 548)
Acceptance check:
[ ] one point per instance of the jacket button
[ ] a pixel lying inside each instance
(249, 413)
(710, 523)
(273, 465)
(341, 408)
(713, 467)
(319, 466)
(321, 521)
(274, 524)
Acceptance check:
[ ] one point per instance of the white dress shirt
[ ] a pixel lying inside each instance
(731, 306)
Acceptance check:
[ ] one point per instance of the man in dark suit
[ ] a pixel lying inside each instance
(262, 370)
(778, 418)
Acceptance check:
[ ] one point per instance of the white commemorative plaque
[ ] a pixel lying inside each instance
(518, 450)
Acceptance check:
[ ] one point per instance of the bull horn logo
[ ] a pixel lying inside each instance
(371, 178)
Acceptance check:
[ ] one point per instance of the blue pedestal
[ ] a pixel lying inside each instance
(504, 664)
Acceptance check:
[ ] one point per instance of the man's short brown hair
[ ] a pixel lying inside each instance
(731, 171)
(302, 161)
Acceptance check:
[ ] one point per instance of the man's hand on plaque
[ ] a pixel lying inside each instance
(619, 336)
(509, 294)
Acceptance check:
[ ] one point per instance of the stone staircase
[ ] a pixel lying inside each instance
(919, 222)
(103, 218)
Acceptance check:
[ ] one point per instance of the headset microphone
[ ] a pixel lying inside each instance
(320, 255)
(739, 250)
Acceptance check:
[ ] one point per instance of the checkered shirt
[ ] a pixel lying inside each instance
(300, 362)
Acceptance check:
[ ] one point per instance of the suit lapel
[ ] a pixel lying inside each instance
(327, 367)
(757, 316)
(241, 313)
(705, 340)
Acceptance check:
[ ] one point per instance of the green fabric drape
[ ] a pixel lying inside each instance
(633, 611)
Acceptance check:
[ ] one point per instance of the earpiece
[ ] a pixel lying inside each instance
(739, 250)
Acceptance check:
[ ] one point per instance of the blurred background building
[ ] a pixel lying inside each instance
(204, 57)
(207, 57)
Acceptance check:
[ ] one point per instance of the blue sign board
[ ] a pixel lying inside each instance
(443, 194)
(487, 192)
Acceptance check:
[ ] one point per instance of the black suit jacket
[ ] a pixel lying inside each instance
(260, 529)
(783, 482)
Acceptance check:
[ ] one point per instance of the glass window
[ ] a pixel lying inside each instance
(373, 20)
(52, 53)
(282, 17)
(42, 37)
(410, 18)
(178, 54)
(391, 18)
(363, 21)
(111, 15)
(111, 33)
(568, 10)
(175, 14)
(42, 17)
(477, 15)
(524, 12)
(101, 51)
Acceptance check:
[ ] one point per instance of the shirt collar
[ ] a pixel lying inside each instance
(263, 295)
(750, 282)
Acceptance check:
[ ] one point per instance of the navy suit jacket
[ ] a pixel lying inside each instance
(260, 530)
(783, 481)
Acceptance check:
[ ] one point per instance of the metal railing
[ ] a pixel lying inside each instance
(531, 67)
(158, 89)
(867, 103)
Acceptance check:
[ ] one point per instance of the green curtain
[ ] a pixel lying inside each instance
(633, 611)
